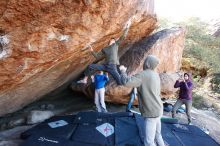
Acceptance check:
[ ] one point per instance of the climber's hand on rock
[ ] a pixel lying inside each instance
(123, 68)
(106, 73)
(90, 47)
(128, 24)
(92, 77)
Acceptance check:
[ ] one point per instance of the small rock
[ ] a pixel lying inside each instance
(204, 108)
(3, 126)
(50, 107)
(193, 118)
(87, 2)
(38, 116)
(207, 103)
(13, 133)
(11, 142)
(217, 111)
(43, 107)
(16, 122)
(47, 106)
(205, 130)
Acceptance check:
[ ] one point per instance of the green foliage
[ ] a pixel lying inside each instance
(204, 47)
(200, 44)
(197, 101)
(216, 83)
(201, 48)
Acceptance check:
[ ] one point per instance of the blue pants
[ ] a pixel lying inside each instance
(110, 68)
(131, 100)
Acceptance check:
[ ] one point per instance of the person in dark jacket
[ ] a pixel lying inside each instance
(185, 95)
(110, 53)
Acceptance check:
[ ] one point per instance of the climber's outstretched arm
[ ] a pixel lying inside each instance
(127, 26)
(97, 55)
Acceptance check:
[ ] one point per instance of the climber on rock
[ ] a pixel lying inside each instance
(110, 53)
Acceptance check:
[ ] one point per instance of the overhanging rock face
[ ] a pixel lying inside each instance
(43, 41)
(167, 45)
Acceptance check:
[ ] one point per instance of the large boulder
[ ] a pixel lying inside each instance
(42, 42)
(167, 45)
(167, 84)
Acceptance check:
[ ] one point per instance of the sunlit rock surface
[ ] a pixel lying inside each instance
(42, 42)
(167, 45)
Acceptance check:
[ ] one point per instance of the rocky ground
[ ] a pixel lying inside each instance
(72, 103)
(204, 119)
(210, 100)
